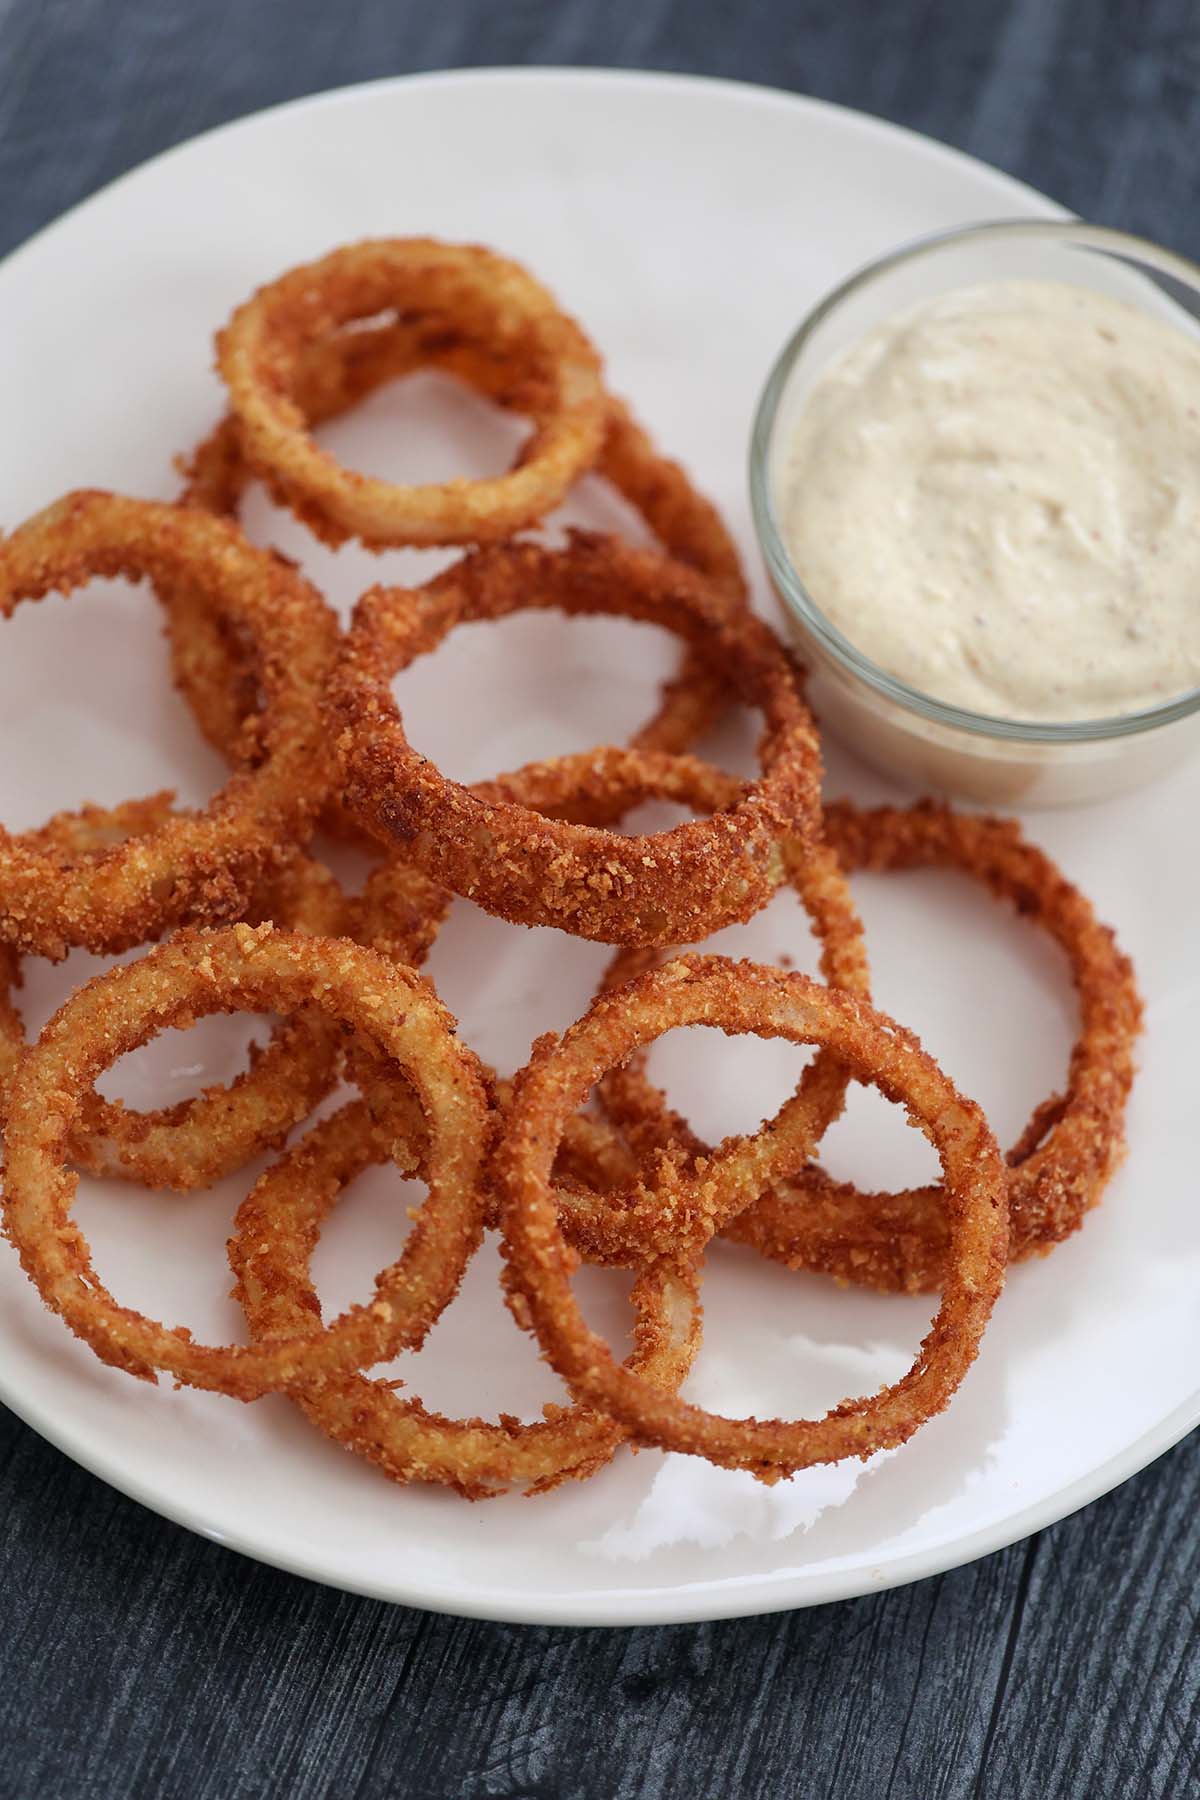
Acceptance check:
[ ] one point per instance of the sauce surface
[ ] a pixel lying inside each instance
(996, 497)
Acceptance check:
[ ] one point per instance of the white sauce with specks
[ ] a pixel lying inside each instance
(996, 497)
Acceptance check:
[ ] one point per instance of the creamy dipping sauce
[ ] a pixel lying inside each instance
(996, 497)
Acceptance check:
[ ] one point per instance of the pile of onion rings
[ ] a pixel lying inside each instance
(578, 1157)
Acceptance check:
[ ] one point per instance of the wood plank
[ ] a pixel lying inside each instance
(137, 1659)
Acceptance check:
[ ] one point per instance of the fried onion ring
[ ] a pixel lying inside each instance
(195, 865)
(1063, 1159)
(270, 1253)
(736, 998)
(330, 376)
(409, 1034)
(673, 886)
(198, 1141)
(648, 1127)
(463, 291)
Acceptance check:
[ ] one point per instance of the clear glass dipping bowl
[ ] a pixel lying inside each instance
(906, 732)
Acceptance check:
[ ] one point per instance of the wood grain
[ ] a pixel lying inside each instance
(136, 1659)
(139, 1659)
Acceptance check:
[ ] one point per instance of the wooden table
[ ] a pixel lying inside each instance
(136, 1659)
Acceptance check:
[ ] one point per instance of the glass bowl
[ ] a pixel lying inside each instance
(898, 728)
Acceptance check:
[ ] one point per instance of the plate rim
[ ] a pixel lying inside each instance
(689, 1603)
(735, 1597)
(549, 74)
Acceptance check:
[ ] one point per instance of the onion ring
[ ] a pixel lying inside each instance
(198, 1141)
(1060, 1164)
(270, 1254)
(331, 375)
(621, 779)
(741, 997)
(463, 290)
(668, 887)
(79, 830)
(409, 1033)
(635, 1105)
(195, 865)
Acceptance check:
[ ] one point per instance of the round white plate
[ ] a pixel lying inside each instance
(688, 223)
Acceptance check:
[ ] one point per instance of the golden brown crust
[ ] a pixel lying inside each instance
(197, 1141)
(1061, 1163)
(399, 1435)
(194, 865)
(462, 289)
(668, 887)
(742, 997)
(410, 1036)
(330, 376)
(640, 1110)
(334, 372)
(650, 1129)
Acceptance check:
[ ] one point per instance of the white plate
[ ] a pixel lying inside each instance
(689, 224)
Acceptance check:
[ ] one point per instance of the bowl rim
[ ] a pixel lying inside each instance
(784, 575)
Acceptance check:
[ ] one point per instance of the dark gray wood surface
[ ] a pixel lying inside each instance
(136, 1659)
